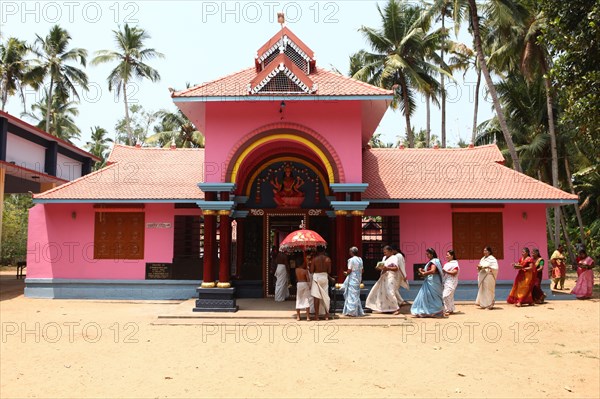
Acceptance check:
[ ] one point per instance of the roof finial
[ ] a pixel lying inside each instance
(281, 18)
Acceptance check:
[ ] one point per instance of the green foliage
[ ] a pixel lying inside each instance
(14, 227)
(141, 122)
(14, 68)
(573, 36)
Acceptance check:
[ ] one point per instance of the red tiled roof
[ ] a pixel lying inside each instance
(328, 83)
(139, 174)
(449, 174)
(392, 174)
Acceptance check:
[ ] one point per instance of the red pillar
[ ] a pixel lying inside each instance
(210, 227)
(357, 230)
(340, 244)
(224, 247)
(210, 237)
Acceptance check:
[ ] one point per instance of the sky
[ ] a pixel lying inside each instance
(205, 40)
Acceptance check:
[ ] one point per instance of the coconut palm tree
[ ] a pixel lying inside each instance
(460, 9)
(130, 57)
(518, 49)
(99, 145)
(54, 57)
(62, 124)
(13, 69)
(463, 58)
(376, 142)
(398, 61)
(176, 127)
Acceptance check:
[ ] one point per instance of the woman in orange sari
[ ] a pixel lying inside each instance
(521, 292)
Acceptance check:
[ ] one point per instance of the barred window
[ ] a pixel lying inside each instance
(377, 232)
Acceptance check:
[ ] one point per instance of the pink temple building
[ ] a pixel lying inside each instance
(286, 145)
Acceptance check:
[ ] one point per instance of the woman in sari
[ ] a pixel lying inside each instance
(522, 289)
(428, 302)
(488, 270)
(450, 279)
(385, 296)
(351, 286)
(585, 276)
(559, 268)
(538, 294)
(281, 278)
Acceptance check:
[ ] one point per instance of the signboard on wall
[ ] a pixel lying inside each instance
(158, 271)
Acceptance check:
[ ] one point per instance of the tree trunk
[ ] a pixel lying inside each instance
(553, 151)
(567, 239)
(548, 220)
(488, 79)
(49, 104)
(127, 120)
(428, 132)
(443, 133)
(4, 93)
(409, 132)
(577, 211)
(476, 107)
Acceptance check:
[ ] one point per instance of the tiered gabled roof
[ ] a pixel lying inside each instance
(283, 65)
(286, 42)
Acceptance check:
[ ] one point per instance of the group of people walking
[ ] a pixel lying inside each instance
(436, 295)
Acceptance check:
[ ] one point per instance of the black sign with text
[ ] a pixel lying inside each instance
(158, 271)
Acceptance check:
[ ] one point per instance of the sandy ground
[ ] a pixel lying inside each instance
(94, 349)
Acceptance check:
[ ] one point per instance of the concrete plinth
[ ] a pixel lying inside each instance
(216, 300)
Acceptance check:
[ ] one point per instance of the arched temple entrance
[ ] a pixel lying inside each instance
(282, 181)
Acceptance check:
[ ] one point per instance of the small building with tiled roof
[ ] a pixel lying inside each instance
(286, 146)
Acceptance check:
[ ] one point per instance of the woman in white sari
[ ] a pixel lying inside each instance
(450, 280)
(385, 296)
(488, 270)
(281, 278)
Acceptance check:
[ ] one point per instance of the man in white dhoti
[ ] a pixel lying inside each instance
(319, 289)
(281, 278)
(302, 291)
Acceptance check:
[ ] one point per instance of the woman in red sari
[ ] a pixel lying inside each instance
(521, 292)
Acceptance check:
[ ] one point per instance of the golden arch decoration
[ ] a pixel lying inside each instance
(283, 136)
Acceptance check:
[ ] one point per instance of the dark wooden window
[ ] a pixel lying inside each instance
(471, 232)
(119, 235)
(188, 248)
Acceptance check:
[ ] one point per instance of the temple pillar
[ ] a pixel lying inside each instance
(222, 297)
(340, 244)
(224, 247)
(210, 227)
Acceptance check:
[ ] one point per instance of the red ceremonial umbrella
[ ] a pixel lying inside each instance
(302, 240)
